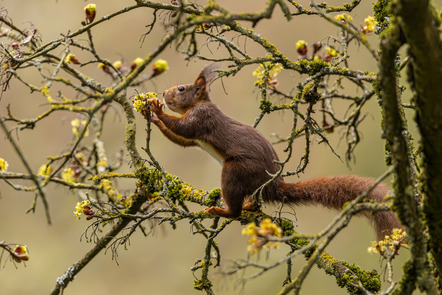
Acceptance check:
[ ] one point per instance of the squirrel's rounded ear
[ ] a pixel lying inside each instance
(200, 82)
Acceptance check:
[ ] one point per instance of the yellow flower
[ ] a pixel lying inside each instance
(136, 63)
(77, 127)
(139, 103)
(269, 228)
(81, 207)
(273, 70)
(390, 245)
(258, 71)
(344, 18)
(369, 25)
(3, 165)
(151, 95)
(68, 175)
(160, 66)
(260, 235)
(332, 52)
(249, 230)
(44, 170)
(140, 100)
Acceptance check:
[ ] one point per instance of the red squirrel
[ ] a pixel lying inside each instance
(248, 157)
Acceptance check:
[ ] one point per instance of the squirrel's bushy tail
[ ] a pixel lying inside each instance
(334, 192)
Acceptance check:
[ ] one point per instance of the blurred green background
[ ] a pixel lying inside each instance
(160, 263)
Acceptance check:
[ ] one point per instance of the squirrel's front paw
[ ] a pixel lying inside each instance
(155, 104)
(210, 210)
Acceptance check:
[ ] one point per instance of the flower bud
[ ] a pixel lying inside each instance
(316, 47)
(20, 253)
(72, 59)
(301, 47)
(44, 170)
(159, 67)
(136, 63)
(15, 46)
(118, 65)
(91, 11)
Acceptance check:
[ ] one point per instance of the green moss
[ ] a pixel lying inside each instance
(382, 14)
(287, 227)
(265, 106)
(310, 93)
(213, 197)
(388, 157)
(271, 48)
(130, 129)
(370, 279)
(151, 182)
(312, 66)
(251, 216)
(348, 275)
(408, 280)
(202, 284)
(327, 260)
(310, 251)
(174, 188)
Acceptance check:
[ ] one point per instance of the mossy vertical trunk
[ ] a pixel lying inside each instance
(420, 29)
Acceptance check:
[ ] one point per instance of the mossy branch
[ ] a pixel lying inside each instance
(404, 201)
(420, 30)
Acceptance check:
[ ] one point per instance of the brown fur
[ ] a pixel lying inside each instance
(248, 157)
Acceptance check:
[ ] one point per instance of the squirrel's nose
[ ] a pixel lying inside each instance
(164, 92)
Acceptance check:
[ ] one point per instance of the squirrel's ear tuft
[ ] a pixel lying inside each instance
(208, 73)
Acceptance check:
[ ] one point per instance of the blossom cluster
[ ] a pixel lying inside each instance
(140, 100)
(160, 66)
(369, 25)
(390, 245)
(83, 208)
(327, 55)
(260, 235)
(78, 126)
(267, 71)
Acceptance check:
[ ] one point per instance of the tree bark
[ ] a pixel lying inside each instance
(420, 30)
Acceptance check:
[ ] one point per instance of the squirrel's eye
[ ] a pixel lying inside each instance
(181, 88)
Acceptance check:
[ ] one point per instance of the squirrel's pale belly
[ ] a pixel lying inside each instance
(211, 150)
